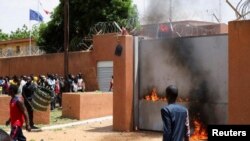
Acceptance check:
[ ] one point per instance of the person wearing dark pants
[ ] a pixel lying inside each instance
(28, 92)
(30, 112)
(18, 114)
(53, 102)
(17, 134)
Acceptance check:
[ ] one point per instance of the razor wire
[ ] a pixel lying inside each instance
(182, 29)
(243, 7)
(107, 27)
(113, 26)
(99, 28)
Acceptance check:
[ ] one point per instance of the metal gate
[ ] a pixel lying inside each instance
(198, 66)
(104, 74)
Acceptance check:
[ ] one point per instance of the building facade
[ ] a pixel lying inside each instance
(17, 47)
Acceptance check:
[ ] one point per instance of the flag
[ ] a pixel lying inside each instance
(46, 11)
(34, 15)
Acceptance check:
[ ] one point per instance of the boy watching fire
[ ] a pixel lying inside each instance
(175, 118)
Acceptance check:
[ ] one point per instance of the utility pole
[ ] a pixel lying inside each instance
(220, 18)
(170, 8)
(66, 41)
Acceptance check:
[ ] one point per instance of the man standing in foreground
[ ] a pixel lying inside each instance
(18, 113)
(175, 118)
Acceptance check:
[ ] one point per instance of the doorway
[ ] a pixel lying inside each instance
(104, 74)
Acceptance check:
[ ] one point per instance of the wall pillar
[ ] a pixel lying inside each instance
(239, 72)
(123, 86)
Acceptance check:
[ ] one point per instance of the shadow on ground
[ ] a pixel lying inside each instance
(101, 129)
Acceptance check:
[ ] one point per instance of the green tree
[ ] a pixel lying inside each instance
(3, 36)
(20, 33)
(83, 14)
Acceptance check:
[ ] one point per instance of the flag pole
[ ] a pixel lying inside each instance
(30, 38)
(38, 9)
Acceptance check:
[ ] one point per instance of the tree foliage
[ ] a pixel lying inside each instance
(83, 14)
(20, 33)
(3, 36)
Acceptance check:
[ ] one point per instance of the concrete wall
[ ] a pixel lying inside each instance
(51, 63)
(4, 110)
(42, 117)
(239, 72)
(86, 62)
(87, 105)
(39, 117)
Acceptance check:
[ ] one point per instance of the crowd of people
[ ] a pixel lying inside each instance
(56, 83)
(22, 89)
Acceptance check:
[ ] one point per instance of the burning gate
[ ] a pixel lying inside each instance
(196, 65)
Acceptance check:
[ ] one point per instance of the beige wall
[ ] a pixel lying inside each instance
(11, 45)
(87, 105)
(39, 117)
(4, 110)
(22, 43)
(239, 72)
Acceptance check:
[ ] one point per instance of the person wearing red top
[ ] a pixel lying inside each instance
(18, 114)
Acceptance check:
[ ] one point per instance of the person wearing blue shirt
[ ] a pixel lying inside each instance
(175, 118)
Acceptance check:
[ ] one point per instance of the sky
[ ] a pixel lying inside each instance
(204, 10)
(15, 13)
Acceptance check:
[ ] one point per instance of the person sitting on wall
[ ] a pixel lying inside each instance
(175, 118)
(74, 84)
(80, 83)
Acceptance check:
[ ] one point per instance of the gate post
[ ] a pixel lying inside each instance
(123, 85)
(239, 76)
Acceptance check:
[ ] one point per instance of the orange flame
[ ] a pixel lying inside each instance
(153, 96)
(200, 132)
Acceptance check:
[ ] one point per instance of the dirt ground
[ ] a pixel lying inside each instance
(98, 131)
